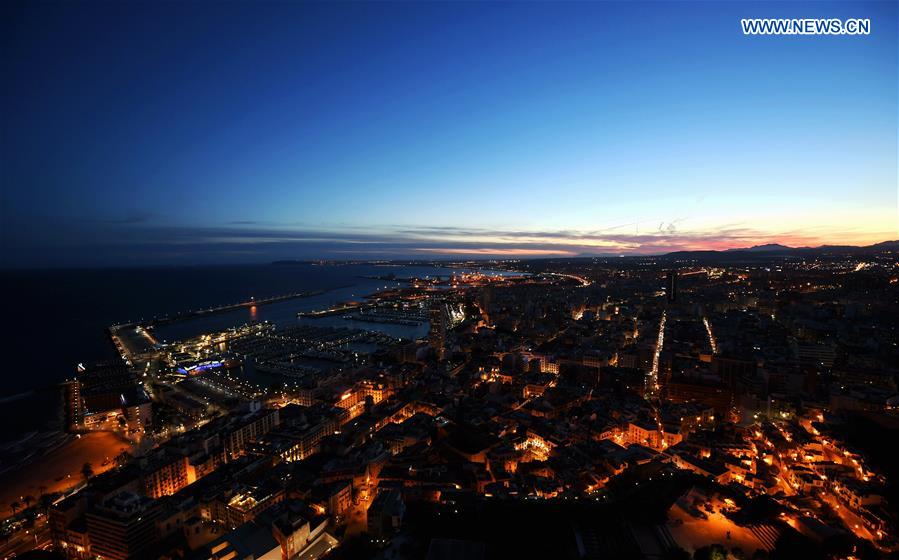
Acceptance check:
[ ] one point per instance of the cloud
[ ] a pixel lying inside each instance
(496, 251)
(135, 242)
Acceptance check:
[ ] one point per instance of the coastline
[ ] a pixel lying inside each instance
(59, 471)
(75, 319)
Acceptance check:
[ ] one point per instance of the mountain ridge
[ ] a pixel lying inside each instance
(778, 249)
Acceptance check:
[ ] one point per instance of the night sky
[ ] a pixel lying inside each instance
(216, 132)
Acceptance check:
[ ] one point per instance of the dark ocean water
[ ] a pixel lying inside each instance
(55, 319)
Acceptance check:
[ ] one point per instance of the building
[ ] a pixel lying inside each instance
(385, 514)
(246, 503)
(106, 396)
(137, 409)
(284, 532)
(123, 526)
(437, 334)
(67, 528)
(102, 385)
(164, 474)
(298, 532)
(73, 405)
(645, 432)
(671, 286)
(339, 497)
(247, 429)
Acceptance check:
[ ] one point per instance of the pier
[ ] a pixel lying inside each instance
(336, 310)
(252, 302)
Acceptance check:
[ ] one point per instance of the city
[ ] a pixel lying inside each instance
(452, 280)
(633, 408)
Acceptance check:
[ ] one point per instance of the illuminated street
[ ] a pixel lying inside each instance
(652, 379)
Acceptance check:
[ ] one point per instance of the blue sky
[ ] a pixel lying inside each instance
(229, 132)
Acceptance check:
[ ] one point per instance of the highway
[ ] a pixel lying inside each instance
(584, 282)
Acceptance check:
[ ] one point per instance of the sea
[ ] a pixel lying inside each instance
(56, 319)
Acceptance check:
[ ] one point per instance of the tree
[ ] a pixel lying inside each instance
(122, 458)
(29, 499)
(42, 490)
(87, 471)
(44, 502)
(15, 505)
(710, 552)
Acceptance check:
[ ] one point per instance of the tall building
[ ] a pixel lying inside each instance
(671, 286)
(103, 383)
(73, 405)
(437, 335)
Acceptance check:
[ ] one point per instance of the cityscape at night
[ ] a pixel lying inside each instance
(449, 280)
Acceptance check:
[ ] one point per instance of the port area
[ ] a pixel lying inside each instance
(135, 340)
(59, 471)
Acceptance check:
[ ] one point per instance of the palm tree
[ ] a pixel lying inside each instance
(87, 471)
(45, 501)
(29, 499)
(15, 505)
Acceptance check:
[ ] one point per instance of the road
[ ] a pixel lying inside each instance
(852, 521)
(28, 538)
(584, 282)
(708, 328)
(652, 379)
